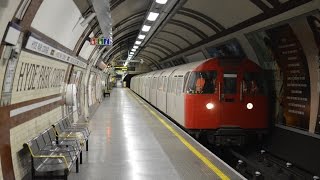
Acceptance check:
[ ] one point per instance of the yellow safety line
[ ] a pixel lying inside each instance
(205, 160)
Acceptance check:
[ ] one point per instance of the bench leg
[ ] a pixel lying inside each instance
(81, 157)
(32, 169)
(77, 165)
(65, 177)
(87, 145)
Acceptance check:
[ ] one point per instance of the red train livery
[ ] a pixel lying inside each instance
(223, 99)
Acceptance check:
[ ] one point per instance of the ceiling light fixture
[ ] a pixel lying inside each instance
(135, 47)
(133, 50)
(138, 42)
(152, 16)
(146, 28)
(161, 1)
(141, 36)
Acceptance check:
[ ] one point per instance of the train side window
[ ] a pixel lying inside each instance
(185, 80)
(148, 82)
(174, 84)
(179, 85)
(154, 83)
(160, 83)
(165, 84)
(169, 84)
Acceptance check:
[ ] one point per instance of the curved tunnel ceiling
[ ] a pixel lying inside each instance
(128, 17)
(191, 24)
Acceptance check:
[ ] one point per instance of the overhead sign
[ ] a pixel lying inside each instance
(124, 68)
(36, 45)
(101, 41)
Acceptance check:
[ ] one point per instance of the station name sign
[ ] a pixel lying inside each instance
(36, 45)
(101, 41)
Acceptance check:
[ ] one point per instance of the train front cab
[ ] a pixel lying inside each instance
(234, 106)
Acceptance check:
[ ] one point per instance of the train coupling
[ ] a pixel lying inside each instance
(227, 136)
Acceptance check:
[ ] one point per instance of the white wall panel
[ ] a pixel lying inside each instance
(86, 49)
(7, 10)
(60, 20)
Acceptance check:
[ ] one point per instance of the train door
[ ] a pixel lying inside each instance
(161, 96)
(153, 90)
(229, 98)
(148, 88)
(160, 80)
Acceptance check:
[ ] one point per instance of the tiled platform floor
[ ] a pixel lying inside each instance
(128, 142)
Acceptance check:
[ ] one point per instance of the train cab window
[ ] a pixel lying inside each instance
(252, 83)
(201, 82)
(229, 83)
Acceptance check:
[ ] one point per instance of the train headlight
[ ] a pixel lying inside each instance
(249, 106)
(210, 106)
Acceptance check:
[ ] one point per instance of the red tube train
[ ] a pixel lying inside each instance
(223, 99)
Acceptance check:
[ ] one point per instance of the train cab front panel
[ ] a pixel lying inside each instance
(226, 95)
(243, 102)
(202, 110)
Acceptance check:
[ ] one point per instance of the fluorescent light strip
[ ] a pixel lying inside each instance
(152, 16)
(141, 36)
(138, 42)
(135, 47)
(133, 50)
(161, 1)
(146, 28)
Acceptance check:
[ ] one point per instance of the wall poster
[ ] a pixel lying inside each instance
(279, 50)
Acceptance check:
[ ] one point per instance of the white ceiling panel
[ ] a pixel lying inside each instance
(60, 20)
(226, 12)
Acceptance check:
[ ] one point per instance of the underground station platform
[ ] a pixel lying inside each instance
(132, 140)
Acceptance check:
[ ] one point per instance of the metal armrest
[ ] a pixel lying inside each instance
(53, 156)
